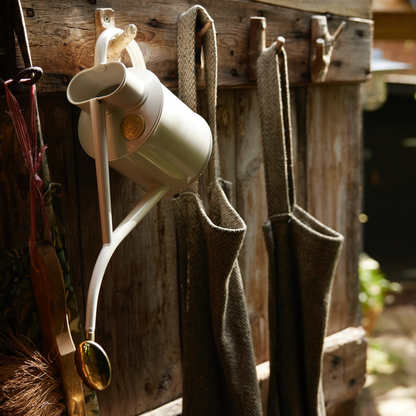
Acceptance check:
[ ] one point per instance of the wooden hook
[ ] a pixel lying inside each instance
(199, 61)
(104, 19)
(116, 46)
(258, 44)
(200, 34)
(280, 42)
(322, 47)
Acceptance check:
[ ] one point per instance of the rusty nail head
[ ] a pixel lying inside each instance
(360, 33)
(65, 80)
(93, 1)
(30, 12)
(154, 22)
(234, 72)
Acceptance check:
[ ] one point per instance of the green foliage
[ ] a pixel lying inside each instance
(382, 361)
(375, 289)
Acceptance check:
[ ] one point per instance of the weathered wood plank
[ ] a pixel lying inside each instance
(334, 185)
(356, 8)
(62, 38)
(299, 134)
(252, 206)
(343, 372)
(138, 310)
(56, 121)
(58, 133)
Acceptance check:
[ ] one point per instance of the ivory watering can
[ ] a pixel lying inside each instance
(131, 122)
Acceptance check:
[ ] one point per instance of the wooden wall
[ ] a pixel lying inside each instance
(138, 316)
(138, 321)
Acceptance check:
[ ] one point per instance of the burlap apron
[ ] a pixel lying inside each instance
(303, 254)
(218, 360)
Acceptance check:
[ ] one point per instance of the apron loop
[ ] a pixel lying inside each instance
(187, 77)
(275, 118)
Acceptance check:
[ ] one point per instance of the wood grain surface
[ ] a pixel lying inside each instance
(343, 371)
(344, 367)
(333, 190)
(357, 8)
(62, 38)
(138, 309)
(138, 316)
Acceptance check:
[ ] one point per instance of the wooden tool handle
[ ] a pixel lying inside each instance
(48, 286)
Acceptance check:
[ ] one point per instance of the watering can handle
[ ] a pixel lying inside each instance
(101, 47)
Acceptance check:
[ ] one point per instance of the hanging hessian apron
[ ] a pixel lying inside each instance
(218, 360)
(302, 253)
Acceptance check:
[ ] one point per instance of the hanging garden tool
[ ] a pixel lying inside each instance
(34, 384)
(132, 123)
(49, 289)
(218, 361)
(303, 254)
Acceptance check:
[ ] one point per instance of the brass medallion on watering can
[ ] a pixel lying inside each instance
(132, 126)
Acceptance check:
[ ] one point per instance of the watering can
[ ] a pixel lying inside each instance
(131, 122)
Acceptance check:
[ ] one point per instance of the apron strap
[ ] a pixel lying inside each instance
(186, 73)
(274, 98)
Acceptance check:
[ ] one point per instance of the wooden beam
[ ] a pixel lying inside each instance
(356, 8)
(344, 372)
(395, 26)
(62, 39)
(344, 366)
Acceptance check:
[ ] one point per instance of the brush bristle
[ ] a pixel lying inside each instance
(30, 385)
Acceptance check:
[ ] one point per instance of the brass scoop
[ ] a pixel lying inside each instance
(92, 364)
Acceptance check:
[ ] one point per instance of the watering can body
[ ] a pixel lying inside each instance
(152, 137)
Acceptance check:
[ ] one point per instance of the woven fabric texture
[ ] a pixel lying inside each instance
(218, 359)
(303, 254)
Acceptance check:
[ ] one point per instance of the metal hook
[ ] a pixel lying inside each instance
(322, 47)
(28, 76)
